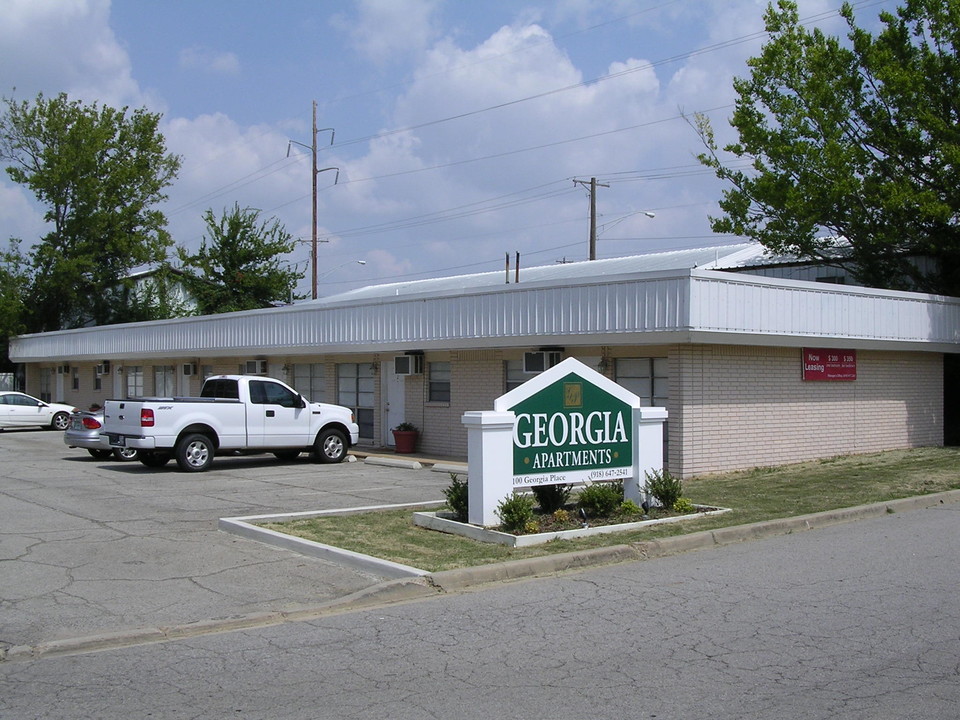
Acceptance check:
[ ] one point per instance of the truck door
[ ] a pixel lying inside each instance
(276, 415)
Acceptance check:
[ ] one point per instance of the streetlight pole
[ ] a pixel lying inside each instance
(348, 262)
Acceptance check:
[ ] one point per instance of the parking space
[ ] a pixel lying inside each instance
(92, 546)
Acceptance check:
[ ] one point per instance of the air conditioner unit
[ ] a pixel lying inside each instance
(255, 367)
(189, 368)
(537, 362)
(408, 365)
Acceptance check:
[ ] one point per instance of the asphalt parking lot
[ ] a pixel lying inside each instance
(90, 547)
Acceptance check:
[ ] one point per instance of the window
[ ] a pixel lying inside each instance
(355, 390)
(514, 374)
(310, 381)
(439, 390)
(75, 378)
(163, 381)
(221, 388)
(134, 379)
(46, 381)
(644, 377)
(270, 393)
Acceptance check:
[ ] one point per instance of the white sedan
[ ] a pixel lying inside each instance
(19, 410)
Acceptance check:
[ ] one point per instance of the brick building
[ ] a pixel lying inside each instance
(722, 350)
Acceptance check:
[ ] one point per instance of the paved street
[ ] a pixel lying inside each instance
(92, 546)
(859, 620)
(856, 621)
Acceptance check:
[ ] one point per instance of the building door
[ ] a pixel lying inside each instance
(393, 403)
(355, 390)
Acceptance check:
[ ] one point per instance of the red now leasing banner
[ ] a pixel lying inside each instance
(829, 364)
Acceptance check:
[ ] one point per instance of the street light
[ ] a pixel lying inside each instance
(334, 269)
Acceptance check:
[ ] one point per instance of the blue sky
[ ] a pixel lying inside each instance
(459, 126)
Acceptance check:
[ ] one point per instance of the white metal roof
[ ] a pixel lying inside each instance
(557, 273)
(604, 302)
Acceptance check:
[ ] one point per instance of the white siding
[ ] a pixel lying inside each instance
(691, 305)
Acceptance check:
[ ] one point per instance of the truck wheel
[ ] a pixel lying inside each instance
(330, 447)
(126, 453)
(153, 459)
(286, 455)
(194, 453)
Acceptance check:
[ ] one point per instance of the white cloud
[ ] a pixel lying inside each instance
(387, 31)
(64, 46)
(211, 61)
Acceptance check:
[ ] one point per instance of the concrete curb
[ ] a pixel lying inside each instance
(433, 584)
(393, 462)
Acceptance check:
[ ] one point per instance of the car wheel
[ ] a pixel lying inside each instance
(153, 459)
(194, 452)
(286, 454)
(100, 454)
(330, 447)
(60, 421)
(125, 453)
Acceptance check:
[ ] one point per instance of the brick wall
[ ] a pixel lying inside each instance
(740, 407)
(476, 380)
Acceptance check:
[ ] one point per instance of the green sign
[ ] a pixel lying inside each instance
(571, 430)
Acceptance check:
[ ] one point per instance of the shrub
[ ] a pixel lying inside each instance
(561, 516)
(664, 487)
(684, 506)
(551, 498)
(515, 511)
(629, 507)
(457, 496)
(600, 499)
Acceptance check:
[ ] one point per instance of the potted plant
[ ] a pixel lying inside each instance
(405, 437)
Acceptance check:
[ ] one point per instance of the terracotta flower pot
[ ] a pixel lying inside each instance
(405, 441)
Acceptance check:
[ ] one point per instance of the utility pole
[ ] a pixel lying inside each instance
(312, 147)
(313, 235)
(593, 213)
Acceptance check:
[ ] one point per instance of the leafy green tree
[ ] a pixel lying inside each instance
(853, 146)
(100, 173)
(238, 265)
(13, 285)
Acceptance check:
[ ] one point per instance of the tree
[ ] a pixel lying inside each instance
(854, 147)
(99, 172)
(240, 268)
(13, 284)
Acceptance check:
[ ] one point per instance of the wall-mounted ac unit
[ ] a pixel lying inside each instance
(255, 367)
(189, 369)
(537, 362)
(63, 369)
(408, 365)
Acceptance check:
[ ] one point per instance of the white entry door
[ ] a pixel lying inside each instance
(393, 400)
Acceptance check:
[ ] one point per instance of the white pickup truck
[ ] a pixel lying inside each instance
(234, 413)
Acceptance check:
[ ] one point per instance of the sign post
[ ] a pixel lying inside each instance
(567, 425)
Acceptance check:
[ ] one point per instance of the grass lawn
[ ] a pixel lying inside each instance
(761, 494)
